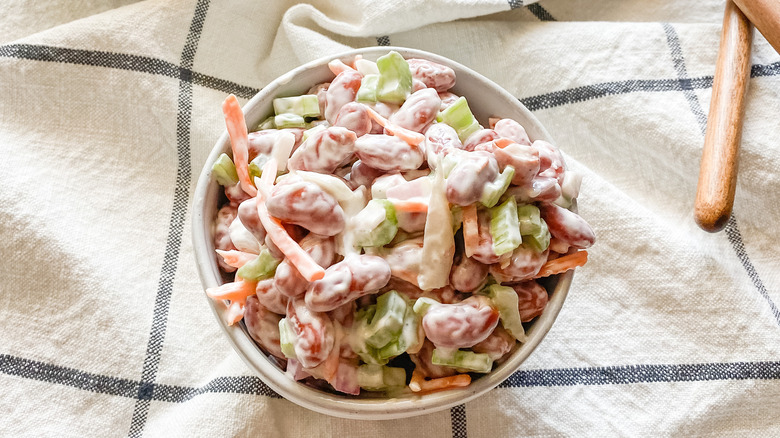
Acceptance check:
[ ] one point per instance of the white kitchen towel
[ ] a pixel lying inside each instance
(108, 111)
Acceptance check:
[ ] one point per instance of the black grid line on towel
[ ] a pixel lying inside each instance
(603, 89)
(682, 73)
(383, 40)
(250, 385)
(540, 12)
(123, 61)
(735, 238)
(458, 418)
(173, 243)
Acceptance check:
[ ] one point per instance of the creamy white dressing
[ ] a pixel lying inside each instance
(242, 238)
(438, 240)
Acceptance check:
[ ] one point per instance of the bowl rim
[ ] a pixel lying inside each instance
(333, 404)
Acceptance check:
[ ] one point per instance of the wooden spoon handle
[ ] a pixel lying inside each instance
(765, 15)
(718, 173)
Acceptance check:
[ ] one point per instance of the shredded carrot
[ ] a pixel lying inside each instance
(563, 264)
(236, 258)
(470, 229)
(238, 290)
(492, 121)
(235, 312)
(411, 137)
(239, 141)
(410, 206)
(302, 261)
(354, 61)
(502, 142)
(338, 67)
(418, 383)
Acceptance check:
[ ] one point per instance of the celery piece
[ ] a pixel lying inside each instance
(267, 124)
(463, 359)
(493, 190)
(410, 339)
(395, 78)
(306, 105)
(311, 131)
(378, 378)
(459, 117)
(224, 171)
(505, 227)
(538, 240)
(375, 225)
(287, 339)
(256, 166)
(367, 90)
(530, 219)
(387, 323)
(261, 268)
(506, 301)
(288, 120)
(422, 304)
(357, 341)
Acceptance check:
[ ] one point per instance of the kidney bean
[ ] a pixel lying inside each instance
(262, 142)
(432, 74)
(441, 138)
(467, 180)
(341, 91)
(235, 194)
(270, 297)
(324, 151)
(419, 110)
(225, 217)
(314, 331)
(423, 364)
(354, 117)
(551, 163)
(306, 204)
(263, 326)
(287, 278)
(355, 276)
(484, 253)
(524, 263)
(478, 138)
(363, 174)
(512, 130)
(497, 345)
(532, 299)
(447, 99)
(385, 152)
(524, 159)
(567, 226)
(247, 213)
(404, 259)
(467, 274)
(417, 85)
(460, 325)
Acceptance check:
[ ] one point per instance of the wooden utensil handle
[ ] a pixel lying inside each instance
(718, 173)
(765, 15)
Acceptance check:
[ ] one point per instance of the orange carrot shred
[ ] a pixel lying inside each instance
(470, 229)
(410, 137)
(418, 383)
(502, 142)
(563, 264)
(410, 206)
(235, 312)
(239, 141)
(236, 258)
(238, 290)
(338, 67)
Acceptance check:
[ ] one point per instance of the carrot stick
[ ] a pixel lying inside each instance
(236, 291)
(239, 141)
(419, 384)
(502, 142)
(302, 261)
(563, 264)
(470, 229)
(410, 137)
(236, 258)
(337, 67)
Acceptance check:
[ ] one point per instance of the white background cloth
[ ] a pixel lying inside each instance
(108, 111)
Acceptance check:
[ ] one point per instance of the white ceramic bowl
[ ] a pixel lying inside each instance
(485, 99)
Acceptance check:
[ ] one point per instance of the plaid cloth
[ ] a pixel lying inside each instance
(108, 111)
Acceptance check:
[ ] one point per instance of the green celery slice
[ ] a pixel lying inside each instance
(261, 268)
(378, 378)
(395, 78)
(494, 189)
(311, 131)
(288, 120)
(383, 233)
(506, 301)
(459, 117)
(505, 227)
(463, 359)
(224, 171)
(287, 339)
(387, 323)
(367, 90)
(306, 105)
(422, 304)
(267, 124)
(256, 166)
